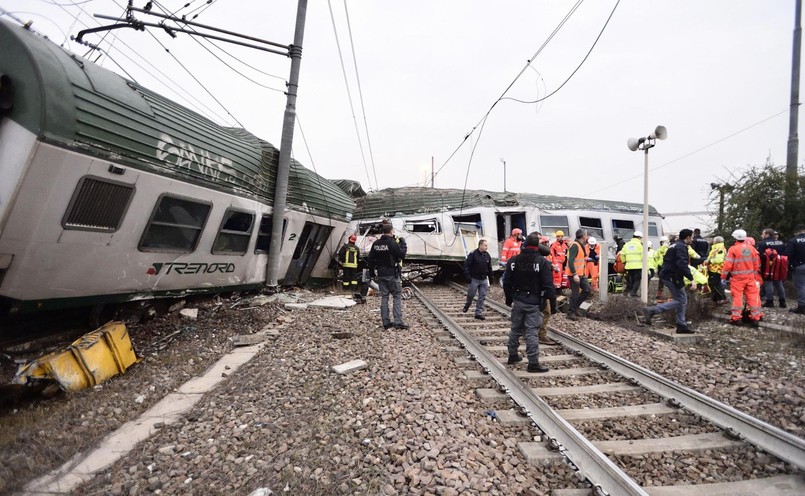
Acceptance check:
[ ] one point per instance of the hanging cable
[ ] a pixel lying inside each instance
(360, 94)
(349, 95)
(736, 133)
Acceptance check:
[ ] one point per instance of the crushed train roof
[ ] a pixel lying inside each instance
(390, 202)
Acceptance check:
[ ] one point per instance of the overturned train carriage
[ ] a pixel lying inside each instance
(110, 192)
(441, 226)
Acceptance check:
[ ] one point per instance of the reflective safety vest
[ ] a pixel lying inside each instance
(349, 257)
(659, 255)
(592, 267)
(511, 248)
(652, 259)
(742, 261)
(715, 260)
(579, 262)
(632, 254)
(698, 276)
(559, 252)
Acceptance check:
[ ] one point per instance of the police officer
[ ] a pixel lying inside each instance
(528, 281)
(675, 268)
(384, 260)
(795, 251)
(769, 249)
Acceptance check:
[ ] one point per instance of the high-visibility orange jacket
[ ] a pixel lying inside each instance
(742, 262)
(577, 265)
(594, 252)
(511, 248)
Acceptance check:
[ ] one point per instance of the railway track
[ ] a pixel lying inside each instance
(606, 416)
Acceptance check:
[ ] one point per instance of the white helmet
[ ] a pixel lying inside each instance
(591, 241)
(663, 238)
(637, 234)
(650, 244)
(739, 234)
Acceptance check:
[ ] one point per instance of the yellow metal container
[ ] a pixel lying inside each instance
(90, 360)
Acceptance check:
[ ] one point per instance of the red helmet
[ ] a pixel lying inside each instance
(516, 231)
(353, 238)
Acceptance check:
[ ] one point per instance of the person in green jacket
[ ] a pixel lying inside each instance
(658, 257)
(715, 262)
(652, 261)
(632, 256)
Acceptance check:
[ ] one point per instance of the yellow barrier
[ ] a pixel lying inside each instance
(90, 360)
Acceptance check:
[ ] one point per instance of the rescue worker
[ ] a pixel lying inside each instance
(593, 257)
(652, 260)
(527, 283)
(348, 258)
(675, 268)
(548, 304)
(478, 270)
(511, 247)
(577, 274)
(385, 258)
(619, 242)
(558, 258)
(795, 251)
(770, 250)
(743, 265)
(658, 258)
(632, 256)
(715, 264)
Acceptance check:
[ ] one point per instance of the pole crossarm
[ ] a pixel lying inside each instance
(131, 22)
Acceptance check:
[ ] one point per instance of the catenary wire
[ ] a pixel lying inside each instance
(349, 95)
(360, 94)
(690, 153)
(528, 63)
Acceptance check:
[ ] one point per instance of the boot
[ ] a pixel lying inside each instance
(782, 304)
(536, 367)
(647, 316)
(684, 329)
(514, 359)
(769, 304)
(543, 337)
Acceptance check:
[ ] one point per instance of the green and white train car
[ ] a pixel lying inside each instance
(441, 226)
(112, 193)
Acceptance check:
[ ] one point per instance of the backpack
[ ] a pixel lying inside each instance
(776, 266)
(619, 267)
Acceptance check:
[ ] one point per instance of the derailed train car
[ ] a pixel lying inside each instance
(112, 193)
(441, 226)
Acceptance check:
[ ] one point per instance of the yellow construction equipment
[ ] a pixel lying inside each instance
(90, 360)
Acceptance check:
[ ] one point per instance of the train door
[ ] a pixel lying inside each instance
(507, 221)
(311, 242)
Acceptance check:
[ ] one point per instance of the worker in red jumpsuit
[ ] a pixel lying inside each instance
(743, 264)
(558, 258)
(511, 247)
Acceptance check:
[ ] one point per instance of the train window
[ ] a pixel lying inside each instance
(427, 226)
(593, 226)
(622, 228)
(233, 237)
(98, 205)
(176, 225)
(371, 229)
(552, 223)
(264, 234)
(468, 224)
(652, 229)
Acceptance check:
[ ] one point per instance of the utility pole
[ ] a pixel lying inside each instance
(284, 165)
(432, 175)
(791, 166)
(504, 173)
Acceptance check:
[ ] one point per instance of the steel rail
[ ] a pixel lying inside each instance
(771, 439)
(591, 462)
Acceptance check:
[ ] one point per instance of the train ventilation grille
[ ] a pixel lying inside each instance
(98, 205)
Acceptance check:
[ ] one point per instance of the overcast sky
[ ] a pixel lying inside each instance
(430, 71)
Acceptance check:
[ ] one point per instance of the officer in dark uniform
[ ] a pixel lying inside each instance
(384, 260)
(795, 251)
(527, 282)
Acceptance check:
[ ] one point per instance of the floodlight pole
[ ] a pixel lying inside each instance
(504, 174)
(644, 272)
(284, 165)
(644, 144)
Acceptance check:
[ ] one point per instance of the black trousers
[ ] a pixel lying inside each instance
(633, 281)
(716, 289)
